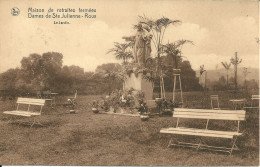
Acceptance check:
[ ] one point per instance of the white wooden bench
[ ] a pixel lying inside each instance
(206, 114)
(27, 113)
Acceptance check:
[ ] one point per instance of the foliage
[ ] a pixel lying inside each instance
(120, 51)
(220, 84)
(251, 84)
(202, 69)
(227, 67)
(72, 103)
(188, 77)
(174, 51)
(157, 27)
(143, 109)
(123, 99)
(45, 72)
(95, 104)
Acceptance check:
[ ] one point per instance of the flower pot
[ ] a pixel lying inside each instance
(72, 111)
(144, 117)
(95, 110)
(112, 109)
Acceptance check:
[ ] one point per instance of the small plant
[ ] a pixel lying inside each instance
(143, 111)
(114, 99)
(123, 99)
(166, 107)
(71, 103)
(105, 105)
(95, 106)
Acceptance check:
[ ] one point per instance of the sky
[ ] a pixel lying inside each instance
(217, 28)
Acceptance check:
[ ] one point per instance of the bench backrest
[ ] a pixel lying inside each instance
(238, 115)
(255, 97)
(39, 102)
(214, 96)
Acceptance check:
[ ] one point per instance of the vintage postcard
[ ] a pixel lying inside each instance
(129, 83)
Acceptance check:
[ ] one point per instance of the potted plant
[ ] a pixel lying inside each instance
(143, 110)
(105, 106)
(95, 107)
(72, 105)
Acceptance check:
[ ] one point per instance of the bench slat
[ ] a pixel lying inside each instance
(17, 113)
(28, 112)
(31, 101)
(210, 111)
(208, 117)
(205, 131)
(206, 113)
(198, 132)
(22, 113)
(209, 114)
(255, 97)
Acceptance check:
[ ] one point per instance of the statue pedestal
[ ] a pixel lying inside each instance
(138, 83)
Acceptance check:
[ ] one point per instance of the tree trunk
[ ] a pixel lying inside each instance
(227, 79)
(205, 80)
(235, 68)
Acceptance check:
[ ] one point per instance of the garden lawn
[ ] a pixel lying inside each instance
(86, 138)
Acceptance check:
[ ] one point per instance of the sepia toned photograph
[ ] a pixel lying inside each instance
(129, 83)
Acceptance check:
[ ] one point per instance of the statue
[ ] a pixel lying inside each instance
(142, 46)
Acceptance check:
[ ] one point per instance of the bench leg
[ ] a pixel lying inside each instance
(234, 146)
(198, 147)
(10, 120)
(13, 119)
(35, 122)
(170, 142)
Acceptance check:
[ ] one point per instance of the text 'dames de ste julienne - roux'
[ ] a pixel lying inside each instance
(62, 15)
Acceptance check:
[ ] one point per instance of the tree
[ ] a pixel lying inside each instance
(189, 79)
(235, 61)
(202, 70)
(158, 28)
(121, 52)
(42, 70)
(8, 80)
(227, 67)
(112, 74)
(188, 76)
(173, 50)
(31, 66)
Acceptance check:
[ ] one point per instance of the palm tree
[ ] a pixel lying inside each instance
(227, 67)
(173, 50)
(157, 28)
(112, 76)
(121, 52)
(235, 61)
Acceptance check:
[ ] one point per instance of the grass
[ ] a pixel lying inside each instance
(85, 138)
